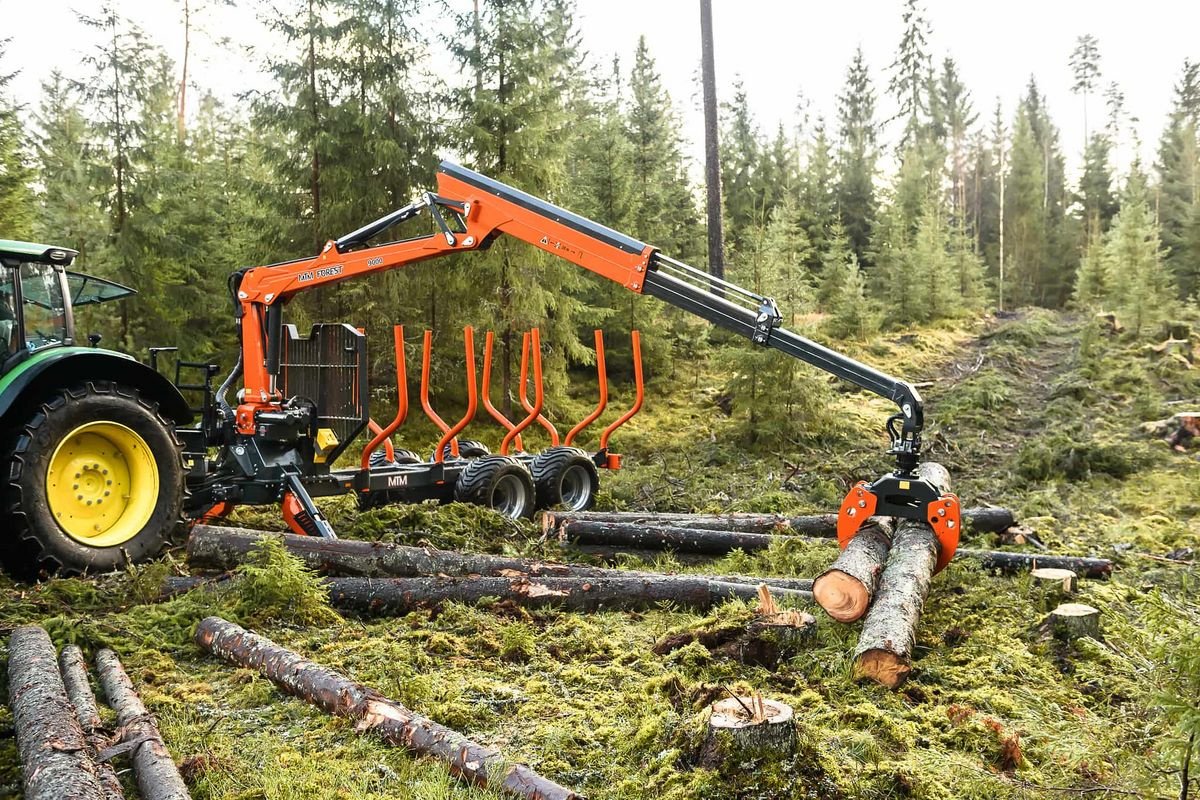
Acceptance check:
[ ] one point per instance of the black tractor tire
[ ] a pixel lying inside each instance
(379, 458)
(565, 477)
(500, 483)
(467, 448)
(33, 541)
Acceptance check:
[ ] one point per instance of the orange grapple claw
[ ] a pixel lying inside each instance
(945, 517)
(857, 508)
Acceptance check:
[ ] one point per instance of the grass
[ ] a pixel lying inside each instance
(1023, 416)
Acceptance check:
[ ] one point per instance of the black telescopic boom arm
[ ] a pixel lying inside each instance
(758, 319)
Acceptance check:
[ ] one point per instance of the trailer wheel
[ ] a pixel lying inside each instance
(95, 481)
(467, 448)
(379, 458)
(497, 482)
(567, 477)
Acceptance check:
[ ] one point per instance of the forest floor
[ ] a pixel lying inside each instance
(1040, 413)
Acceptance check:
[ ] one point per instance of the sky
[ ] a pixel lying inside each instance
(782, 51)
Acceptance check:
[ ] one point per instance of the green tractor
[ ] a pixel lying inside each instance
(91, 470)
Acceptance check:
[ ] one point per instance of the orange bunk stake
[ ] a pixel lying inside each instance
(602, 377)
(534, 337)
(488, 341)
(426, 357)
(384, 436)
(614, 460)
(537, 379)
(450, 435)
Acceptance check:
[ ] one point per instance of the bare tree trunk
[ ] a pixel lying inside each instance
(54, 758)
(712, 152)
(79, 691)
(183, 79)
(391, 721)
(157, 776)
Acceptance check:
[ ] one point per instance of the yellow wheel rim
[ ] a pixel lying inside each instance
(102, 484)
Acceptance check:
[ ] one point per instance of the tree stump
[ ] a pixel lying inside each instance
(744, 729)
(846, 588)
(1072, 620)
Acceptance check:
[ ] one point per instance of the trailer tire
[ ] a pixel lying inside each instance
(467, 448)
(379, 458)
(92, 443)
(500, 483)
(567, 477)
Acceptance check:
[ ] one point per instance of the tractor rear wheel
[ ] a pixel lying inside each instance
(500, 483)
(95, 482)
(566, 477)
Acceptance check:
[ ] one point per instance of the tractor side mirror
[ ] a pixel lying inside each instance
(94, 339)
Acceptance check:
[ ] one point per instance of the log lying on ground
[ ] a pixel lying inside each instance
(889, 631)
(157, 776)
(979, 520)
(846, 588)
(1003, 561)
(213, 547)
(608, 539)
(54, 758)
(79, 692)
(394, 723)
(665, 537)
(398, 596)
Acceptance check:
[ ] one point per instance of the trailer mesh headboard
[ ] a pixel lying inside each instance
(329, 369)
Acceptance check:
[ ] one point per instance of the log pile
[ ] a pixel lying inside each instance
(64, 747)
(388, 719)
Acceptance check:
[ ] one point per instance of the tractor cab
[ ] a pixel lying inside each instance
(38, 295)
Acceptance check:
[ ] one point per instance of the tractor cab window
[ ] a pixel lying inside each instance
(42, 306)
(9, 343)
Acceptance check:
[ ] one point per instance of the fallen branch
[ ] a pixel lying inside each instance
(846, 588)
(889, 631)
(79, 692)
(54, 758)
(213, 547)
(395, 724)
(979, 520)
(157, 776)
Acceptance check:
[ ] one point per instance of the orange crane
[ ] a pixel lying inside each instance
(303, 398)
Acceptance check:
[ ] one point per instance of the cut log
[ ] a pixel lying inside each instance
(390, 720)
(214, 547)
(157, 776)
(747, 729)
(690, 540)
(1072, 620)
(79, 692)
(889, 631)
(846, 588)
(397, 596)
(979, 520)
(54, 758)
(1002, 561)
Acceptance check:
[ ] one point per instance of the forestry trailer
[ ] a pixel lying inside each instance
(87, 425)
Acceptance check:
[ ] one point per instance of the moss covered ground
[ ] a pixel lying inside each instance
(1039, 412)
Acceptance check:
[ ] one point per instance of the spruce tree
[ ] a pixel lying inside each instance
(1140, 287)
(16, 206)
(910, 74)
(741, 148)
(856, 158)
(1092, 281)
(1178, 168)
(817, 209)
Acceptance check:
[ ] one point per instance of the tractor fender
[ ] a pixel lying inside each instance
(31, 381)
